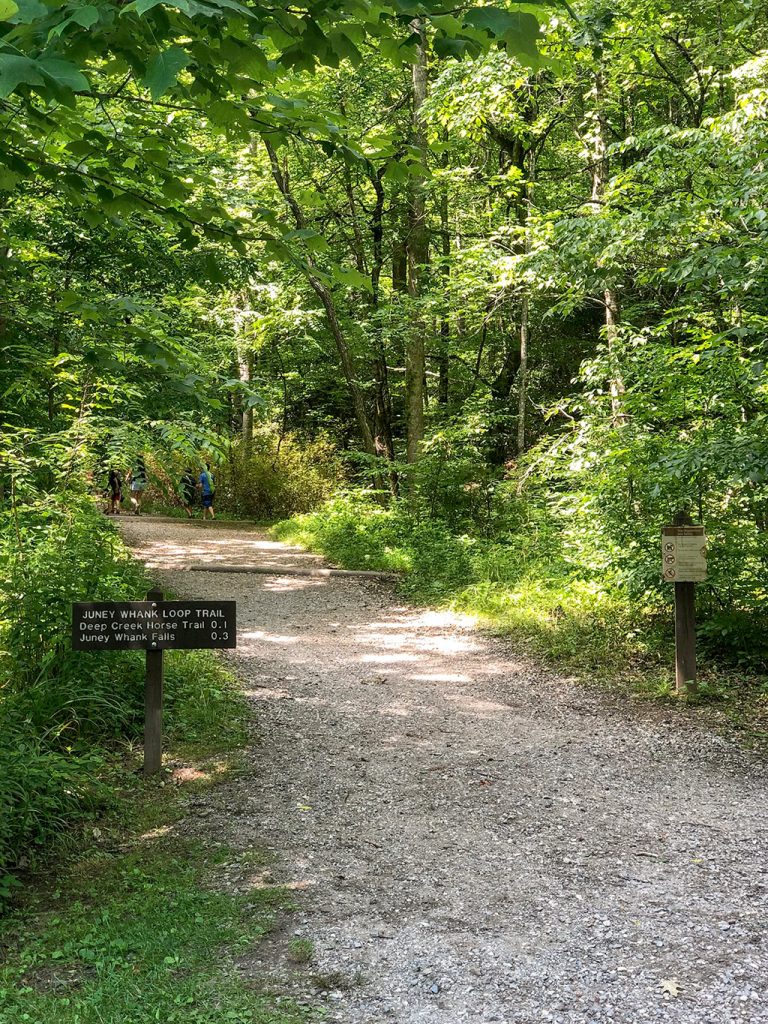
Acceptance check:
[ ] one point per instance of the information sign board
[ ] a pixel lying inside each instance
(153, 625)
(684, 554)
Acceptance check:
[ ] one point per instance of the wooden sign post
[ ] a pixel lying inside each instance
(684, 563)
(153, 703)
(154, 626)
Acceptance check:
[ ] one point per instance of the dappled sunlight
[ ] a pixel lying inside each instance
(407, 619)
(270, 638)
(156, 833)
(286, 584)
(397, 710)
(447, 644)
(377, 658)
(469, 703)
(211, 545)
(441, 677)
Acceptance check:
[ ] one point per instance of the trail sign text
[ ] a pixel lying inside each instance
(153, 625)
(684, 554)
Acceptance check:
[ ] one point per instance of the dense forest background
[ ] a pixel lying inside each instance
(489, 282)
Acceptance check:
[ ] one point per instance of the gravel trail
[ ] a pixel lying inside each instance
(471, 838)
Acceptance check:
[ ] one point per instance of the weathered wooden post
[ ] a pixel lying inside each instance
(153, 701)
(684, 563)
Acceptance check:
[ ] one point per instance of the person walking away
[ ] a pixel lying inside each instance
(138, 478)
(208, 487)
(115, 492)
(188, 489)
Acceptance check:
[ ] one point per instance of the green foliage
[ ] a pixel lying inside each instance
(63, 716)
(277, 477)
(301, 951)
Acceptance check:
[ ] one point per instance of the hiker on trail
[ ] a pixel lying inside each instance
(115, 491)
(188, 489)
(208, 488)
(138, 479)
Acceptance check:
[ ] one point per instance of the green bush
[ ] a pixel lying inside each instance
(277, 478)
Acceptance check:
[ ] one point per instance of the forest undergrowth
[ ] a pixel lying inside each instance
(71, 724)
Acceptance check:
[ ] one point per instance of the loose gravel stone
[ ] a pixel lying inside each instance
(471, 838)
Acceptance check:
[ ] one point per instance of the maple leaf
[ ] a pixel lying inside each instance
(670, 988)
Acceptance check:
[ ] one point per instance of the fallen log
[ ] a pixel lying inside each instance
(285, 570)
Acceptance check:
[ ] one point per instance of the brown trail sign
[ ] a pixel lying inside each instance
(153, 626)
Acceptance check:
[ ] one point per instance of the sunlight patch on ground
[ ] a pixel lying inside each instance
(188, 774)
(270, 638)
(475, 704)
(156, 833)
(381, 658)
(286, 584)
(397, 710)
(441, 677)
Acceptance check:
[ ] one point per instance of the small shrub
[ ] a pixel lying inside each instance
(740, 637)
(276, 479)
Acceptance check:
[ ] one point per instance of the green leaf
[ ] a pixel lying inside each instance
(163, 70)
(85, 16)
(447, 47)
(29, 11)
(7, 9)
(351, 278)
(396, 171)
(64, 74)
(141, 6)
(446, 23)
(8, 179)
(16, 70)
(518, 30)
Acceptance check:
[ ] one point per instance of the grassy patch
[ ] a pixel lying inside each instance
(143, 936)
(301, 951)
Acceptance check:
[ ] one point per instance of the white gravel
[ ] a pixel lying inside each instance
(471, 838)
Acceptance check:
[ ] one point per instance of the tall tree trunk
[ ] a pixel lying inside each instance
(443, 362)
(501, 388)
(399, 250)
(522, 375)
(245, 370)
(325, 295)
(525, 330)
(418, 255)
(244, 357)
(597, 148)
(383, 412)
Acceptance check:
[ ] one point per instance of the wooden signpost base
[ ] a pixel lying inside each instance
(153, 705)
(685, 639)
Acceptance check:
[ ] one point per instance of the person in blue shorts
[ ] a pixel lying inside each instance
(208, 488)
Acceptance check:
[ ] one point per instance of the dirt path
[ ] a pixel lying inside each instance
(471, 838)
